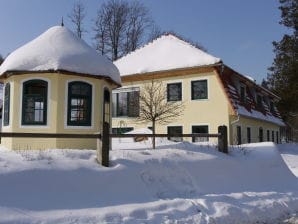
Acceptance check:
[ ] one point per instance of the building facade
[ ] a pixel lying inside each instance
(56, 84)
(212, 93)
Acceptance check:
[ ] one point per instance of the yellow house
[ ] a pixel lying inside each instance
(56, 83)
(213, 93)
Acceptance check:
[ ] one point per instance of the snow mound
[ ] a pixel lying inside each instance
(60, 49)
(176, 183)
(165, 53)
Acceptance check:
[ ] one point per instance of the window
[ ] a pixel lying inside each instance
(272, 136)
(272, 110)
(201, 129)
(6, 104)
(79, 104)
(174, 92)
(242, 94)
(175, 130)
(259, 101)
(121, 130)
(277, 141)
(268, 135)
(248, 133)
(239, 141)
(106, 106)
(34, 104)
(126, 103)
(261, 137)
(199, 90)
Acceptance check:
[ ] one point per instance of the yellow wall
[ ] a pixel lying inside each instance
(212, 112)
(57, 111)
(254, 125)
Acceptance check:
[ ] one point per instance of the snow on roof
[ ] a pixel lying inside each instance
(60, 49)
(165, 53)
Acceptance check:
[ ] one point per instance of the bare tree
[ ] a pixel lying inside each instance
(155, 32)
(139, 20)
(120, 27)
(77, 16)
(155, 108)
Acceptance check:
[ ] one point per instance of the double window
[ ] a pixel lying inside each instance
(126, 103)
(6, 104)
(199, 90)
(34, 108)
(174, 91)
(79, 104)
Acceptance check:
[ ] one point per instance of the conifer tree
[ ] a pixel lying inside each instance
(283, 77)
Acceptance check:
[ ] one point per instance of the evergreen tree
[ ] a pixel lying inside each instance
(283, 76)
(1, 59)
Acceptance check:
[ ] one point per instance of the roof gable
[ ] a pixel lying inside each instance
(164, 53)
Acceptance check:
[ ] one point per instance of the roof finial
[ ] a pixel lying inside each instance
(62, 23)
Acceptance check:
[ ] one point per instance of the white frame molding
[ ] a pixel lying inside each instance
(199, 124)
(10, 104)
(66, 105)
(208, 88)
(174, 82)
(48, 103)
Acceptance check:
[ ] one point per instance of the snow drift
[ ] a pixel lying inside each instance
(179, 182)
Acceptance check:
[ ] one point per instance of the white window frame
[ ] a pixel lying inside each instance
(208, 88)
(48, 104)
(66, 105)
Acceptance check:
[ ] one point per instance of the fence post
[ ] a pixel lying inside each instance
(223, 139)
(104, 148)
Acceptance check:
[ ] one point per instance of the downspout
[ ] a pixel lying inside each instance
(235, 121)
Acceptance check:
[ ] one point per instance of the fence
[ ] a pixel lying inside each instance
(103, 146)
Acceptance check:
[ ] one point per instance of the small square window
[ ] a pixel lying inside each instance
(174, 92)
(199, 90)
(201, 129)
(175, 130)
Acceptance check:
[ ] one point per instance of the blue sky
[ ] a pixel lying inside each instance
(240, 32)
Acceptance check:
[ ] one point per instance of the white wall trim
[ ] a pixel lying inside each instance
(10, 104)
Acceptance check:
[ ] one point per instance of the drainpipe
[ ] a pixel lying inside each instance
(235, 121)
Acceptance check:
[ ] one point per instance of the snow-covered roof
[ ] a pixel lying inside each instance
(165, 53)
(60, 49)
(249, 107)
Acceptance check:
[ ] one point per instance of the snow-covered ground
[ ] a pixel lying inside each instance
(176, 183)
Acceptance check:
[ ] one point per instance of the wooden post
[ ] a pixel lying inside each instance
(104, 146)
(223, 139)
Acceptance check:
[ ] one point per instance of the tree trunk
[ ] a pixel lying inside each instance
(153, 132)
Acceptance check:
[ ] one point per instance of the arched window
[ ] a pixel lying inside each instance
(79, 104)
(34, 107)
(6, 104)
